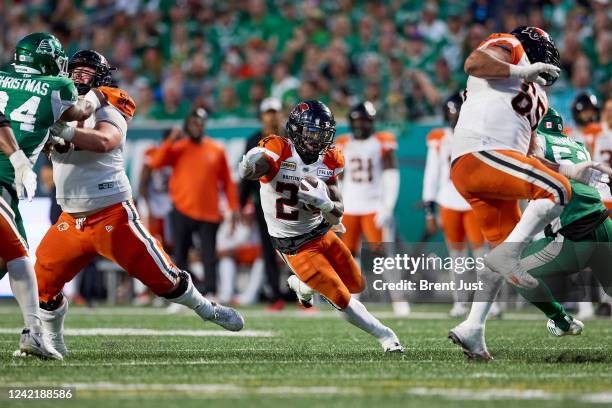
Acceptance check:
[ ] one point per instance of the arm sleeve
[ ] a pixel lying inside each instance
(431, 178)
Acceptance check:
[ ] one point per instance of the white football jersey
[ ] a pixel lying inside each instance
(437, 184)
(87, 181)
(499, 114)
(285, 215)
(362, 187)
(602, 152)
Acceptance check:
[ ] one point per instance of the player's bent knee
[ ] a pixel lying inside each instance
(357, 285)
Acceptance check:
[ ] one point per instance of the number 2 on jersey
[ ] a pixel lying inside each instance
(290, 201)
(25, 114)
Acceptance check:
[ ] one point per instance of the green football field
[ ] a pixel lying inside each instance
(307, 359)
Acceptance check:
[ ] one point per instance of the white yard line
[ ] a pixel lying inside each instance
(129, 331)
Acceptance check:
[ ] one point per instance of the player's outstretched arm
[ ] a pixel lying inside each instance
(101, 139)
(494, 63)
(81, 110)
(254, 164)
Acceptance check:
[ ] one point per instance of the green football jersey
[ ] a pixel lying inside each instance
(32, 103)
(585, 199)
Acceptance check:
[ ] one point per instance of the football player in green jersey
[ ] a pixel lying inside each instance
(34, 95)
(581, 237)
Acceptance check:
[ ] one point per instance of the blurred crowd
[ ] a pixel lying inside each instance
(406, 56)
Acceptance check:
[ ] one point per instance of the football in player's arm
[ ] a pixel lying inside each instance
(324, 196)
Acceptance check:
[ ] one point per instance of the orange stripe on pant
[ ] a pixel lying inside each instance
(13, 246)
(327, 266)
(493, 182)
(460, 227)
(114, 233)
(356, 225)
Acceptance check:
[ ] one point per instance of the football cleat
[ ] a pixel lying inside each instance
(226, 317)
(459, 309)
(504, 259)
(32, 342)
(304, 293)
(393, 347)
(575, 328)
(471, 340)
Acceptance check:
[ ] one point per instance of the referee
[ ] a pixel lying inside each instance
(200, 175)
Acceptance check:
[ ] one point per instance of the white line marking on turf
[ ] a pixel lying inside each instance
(129, 331)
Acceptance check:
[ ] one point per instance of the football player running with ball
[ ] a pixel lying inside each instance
(580, 238)
(34, 95)
(301, 203)
(99, 217)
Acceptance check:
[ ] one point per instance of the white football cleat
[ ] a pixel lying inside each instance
(471, 340)
(303, 292)
(225, 317)
(459, 309)
(33, 342)
(504, 259)
(392, 344)
(576, 327)
(401, 309)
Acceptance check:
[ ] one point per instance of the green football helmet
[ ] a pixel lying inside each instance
(551, 123)
(40, 54)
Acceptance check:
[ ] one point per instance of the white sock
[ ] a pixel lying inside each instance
(227, 276)
(484, 298)
(194, 300)
(53, 320)
(256, 280)
(25, 289)
(538, 214)
(357, 314)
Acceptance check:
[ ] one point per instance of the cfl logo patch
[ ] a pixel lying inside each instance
(63, 226)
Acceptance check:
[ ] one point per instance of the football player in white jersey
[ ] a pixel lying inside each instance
(457, 218)
(503, 105)
(301, 204)
(99, 217)
(370, 184)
